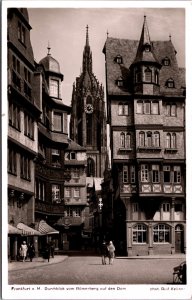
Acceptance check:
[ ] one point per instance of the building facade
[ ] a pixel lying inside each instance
(88, 118)
(23, 115)
(146, 114)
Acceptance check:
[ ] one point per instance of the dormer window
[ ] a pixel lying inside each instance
(170, 83)
(147, 47)
(119, 82)
(166, 61)
(118, 59)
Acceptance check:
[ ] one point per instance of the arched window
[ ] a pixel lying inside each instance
(90, 167)
(122, 140)
(149, 139)
(139, 233)
(148, 75)
(141, 139)
(173, 141)
(161, 233)
(156, 140)
(166, 61)
(168, 141)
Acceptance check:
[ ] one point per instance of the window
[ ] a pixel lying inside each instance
(139, 107)
(77, 212)
(168, 141)
(89, 129)
(155, 174)
(135, 207)
(75, 173)
(132, 172)
(173, 141)
(161, 233)
(28, 126)
(139, 233)
(12, 161)
(119, 82)
(122, 139)
(171, 110)
(40, 189)
(141, 139)
(170, 83)
(56, 158)
(123, 109)
(166, 61)
(156, 139)
(76, 192)
(21, 33)
(67, 192)
(14, 115)
(69, 212)
(144, 173)
(138, 76)
(56, 193)
(54, 88)
(178, 207)
(25, 167)
(58, 122)
(118, 59)
(155, 108)
(156, 77)
(127, 141)
(177, 174)
(27, 75)
(147, 107)
(72, 155)
(149, 139)
(167, 173)
(90, 167)
(147, 47)
(148, 75)
(166, 207)
(125, 174)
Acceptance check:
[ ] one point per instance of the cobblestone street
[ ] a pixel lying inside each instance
(89, 270)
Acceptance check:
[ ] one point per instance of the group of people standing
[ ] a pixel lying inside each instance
(27, 250)
(107, 251)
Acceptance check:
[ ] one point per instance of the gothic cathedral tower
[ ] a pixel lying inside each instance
(88, 117)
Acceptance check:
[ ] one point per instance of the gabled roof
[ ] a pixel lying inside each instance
(128, 49)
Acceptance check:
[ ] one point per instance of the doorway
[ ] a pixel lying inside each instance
(179, 239)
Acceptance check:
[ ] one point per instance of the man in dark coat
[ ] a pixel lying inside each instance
(104, 252)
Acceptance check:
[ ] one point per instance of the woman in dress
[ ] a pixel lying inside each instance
(23, 250)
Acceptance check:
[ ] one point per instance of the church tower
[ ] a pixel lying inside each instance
(88, 117)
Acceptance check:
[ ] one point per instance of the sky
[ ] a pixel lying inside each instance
(65, 31)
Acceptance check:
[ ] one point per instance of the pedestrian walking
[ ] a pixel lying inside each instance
(111, 252)
(46, 252)
(23, 251)
(104, 253)
(52, 248)
(31, 251)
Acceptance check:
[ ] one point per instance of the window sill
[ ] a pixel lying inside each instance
(18, 129)
(171, 150)
(30, 137)
(125, 149)
(12, 173)
(152, 149)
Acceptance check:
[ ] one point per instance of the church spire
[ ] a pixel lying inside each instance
(87, 55)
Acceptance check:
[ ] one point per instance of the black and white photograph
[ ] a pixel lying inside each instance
(94, 150)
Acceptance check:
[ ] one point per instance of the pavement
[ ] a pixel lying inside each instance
(39, 261)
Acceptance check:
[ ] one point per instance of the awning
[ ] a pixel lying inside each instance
(13, 230)
(26, 230)
(44, 228)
